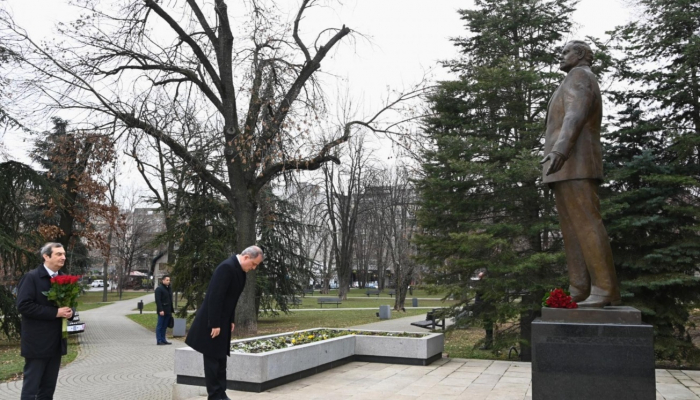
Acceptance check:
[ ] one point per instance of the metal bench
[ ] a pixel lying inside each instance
(433, 319)
(329, 300)
(392, 292)
(373, 291)
(308, 291)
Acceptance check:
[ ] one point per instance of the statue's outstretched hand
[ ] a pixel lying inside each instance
(557, 161)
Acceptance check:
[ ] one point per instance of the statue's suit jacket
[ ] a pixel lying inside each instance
(573, 127)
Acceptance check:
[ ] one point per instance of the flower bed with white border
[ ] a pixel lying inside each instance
(256, 372)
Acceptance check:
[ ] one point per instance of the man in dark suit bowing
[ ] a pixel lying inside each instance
(42, 344)
(210, 333)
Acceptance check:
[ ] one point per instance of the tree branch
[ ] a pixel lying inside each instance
(133, 122)
(297, 39)
(203, 21)
(187, 39)
(310, 66)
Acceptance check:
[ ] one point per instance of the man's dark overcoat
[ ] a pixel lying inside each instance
(164, 299)
(218, 310)
(41, 331)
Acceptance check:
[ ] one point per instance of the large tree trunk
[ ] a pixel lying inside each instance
(105, 265)
(246, 312)
(401, 287)
(344, 277)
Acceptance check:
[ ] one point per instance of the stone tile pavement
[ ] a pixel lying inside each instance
(446, 379)
(118, 359)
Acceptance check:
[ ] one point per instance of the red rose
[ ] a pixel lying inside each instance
(559, 299)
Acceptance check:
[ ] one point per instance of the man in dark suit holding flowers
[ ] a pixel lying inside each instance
(210, 333)
(42, 344)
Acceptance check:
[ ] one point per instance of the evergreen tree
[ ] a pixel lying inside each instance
(207, 236)
(483, 206)
(20, 187)
(285, 271)
(652, 162)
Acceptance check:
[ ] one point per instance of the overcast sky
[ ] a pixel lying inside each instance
(405, 38)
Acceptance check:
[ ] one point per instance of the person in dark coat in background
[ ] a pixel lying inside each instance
(483, 309)
(210, 333)
(164, 307)
(42, 343)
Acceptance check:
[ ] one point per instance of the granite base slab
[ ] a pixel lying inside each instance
(584, 360)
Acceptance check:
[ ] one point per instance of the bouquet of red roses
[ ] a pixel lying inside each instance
(558, 298)
(64, 292)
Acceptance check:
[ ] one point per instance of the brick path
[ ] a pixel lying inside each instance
(118, 360)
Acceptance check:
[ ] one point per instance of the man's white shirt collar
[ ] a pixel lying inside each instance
(49, 271)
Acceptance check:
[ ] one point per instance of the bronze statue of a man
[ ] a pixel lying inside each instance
(573, 167)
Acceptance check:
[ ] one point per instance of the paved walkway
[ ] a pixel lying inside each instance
(118, 360)
(400, 324)
(446, 379)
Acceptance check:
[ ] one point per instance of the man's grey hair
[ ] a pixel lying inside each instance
(582, 47)
(47, 249)
(252, 252)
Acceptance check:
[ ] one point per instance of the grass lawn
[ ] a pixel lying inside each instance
(309, 302)
(356, 299)
(297, 320)
(458, 343)
(90, 300)
(373, 302)
(152, 306)
(12, 363)
(462, 343)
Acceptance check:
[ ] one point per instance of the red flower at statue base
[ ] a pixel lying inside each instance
(558, 298)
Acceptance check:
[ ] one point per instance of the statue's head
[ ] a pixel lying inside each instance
(574, 54)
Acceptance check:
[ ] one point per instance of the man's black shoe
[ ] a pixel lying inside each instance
(161, 343)
(166, 342)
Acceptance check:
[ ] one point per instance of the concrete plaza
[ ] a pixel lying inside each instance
(119, 360)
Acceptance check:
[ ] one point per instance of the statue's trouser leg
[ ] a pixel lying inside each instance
(579, 279)
(588, 252)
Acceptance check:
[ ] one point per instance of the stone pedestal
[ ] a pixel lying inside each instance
(592, 354)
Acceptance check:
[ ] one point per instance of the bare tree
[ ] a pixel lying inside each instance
(308, 202)
(345, 188)
(256, 91)
(399, 222)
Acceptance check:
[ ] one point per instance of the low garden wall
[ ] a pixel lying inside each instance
(257, 372)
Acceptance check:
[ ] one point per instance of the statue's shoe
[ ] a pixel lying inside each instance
(596, 301)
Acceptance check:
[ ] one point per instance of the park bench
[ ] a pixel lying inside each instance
(372, 291)
(309, 291)
(392, 292)
(433, 319)
(329, 300)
